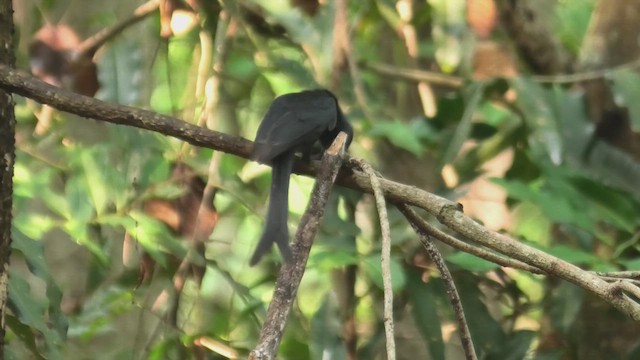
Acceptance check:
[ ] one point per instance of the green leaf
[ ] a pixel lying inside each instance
(96, 318)
(399, 134)
(609, 204)
(154, 237)
(486, 332)
(80, 208)
(327, 260)
(545, 138)
(463, 129)
(559, 202)
(632, 264)
(609, 164)
(625, 85)
(531, 223)
(33, 225)
(32, 312)
(565, 301)
(326, 330)
(94, 176)
(573, 255)
(373, 268)
(120, 72)
(28, 183)
(423, 301)
(515, 347)
(26, 334)
(470, 262)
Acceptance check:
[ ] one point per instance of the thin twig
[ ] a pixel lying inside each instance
(461, 245)
(625, 285)
(613, 279)
(432, 77)
(449, 284)
(291, 272)
(385, 259)
(634, 274)
(456, 82)
(89, 46)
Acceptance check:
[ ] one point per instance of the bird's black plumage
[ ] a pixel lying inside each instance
(293, 123)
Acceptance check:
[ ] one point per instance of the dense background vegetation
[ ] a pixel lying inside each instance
(104, 214)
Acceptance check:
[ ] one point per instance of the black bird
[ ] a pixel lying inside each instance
(293, 123)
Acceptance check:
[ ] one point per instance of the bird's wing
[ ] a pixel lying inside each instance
(294, 121)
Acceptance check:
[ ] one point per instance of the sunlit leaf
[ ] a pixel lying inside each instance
(33, 226)
(94, 173)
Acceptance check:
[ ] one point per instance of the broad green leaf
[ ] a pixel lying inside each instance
(424, 307)
(121, 72)
(33, 253)
(27, 336)
(463, 130)
(470, 262)
(531, 223)
(399, 134)
(545, 137)
(632, 264)
(80, 208)
(572, 22)
(373, 268)
(516, 346)
(565, 301)
(32, 312)
(28, 183)
(327, 260)
(486, 332)
(610, 205)
(573, 255)
(98, 312)
(560, 209)
(155, 237)
(326, 332)
(33, 225)
(626, 84)
(94, 171)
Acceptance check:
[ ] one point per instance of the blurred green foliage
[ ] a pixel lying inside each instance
(76, 196)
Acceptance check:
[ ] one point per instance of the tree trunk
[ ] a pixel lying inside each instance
(7, 157)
